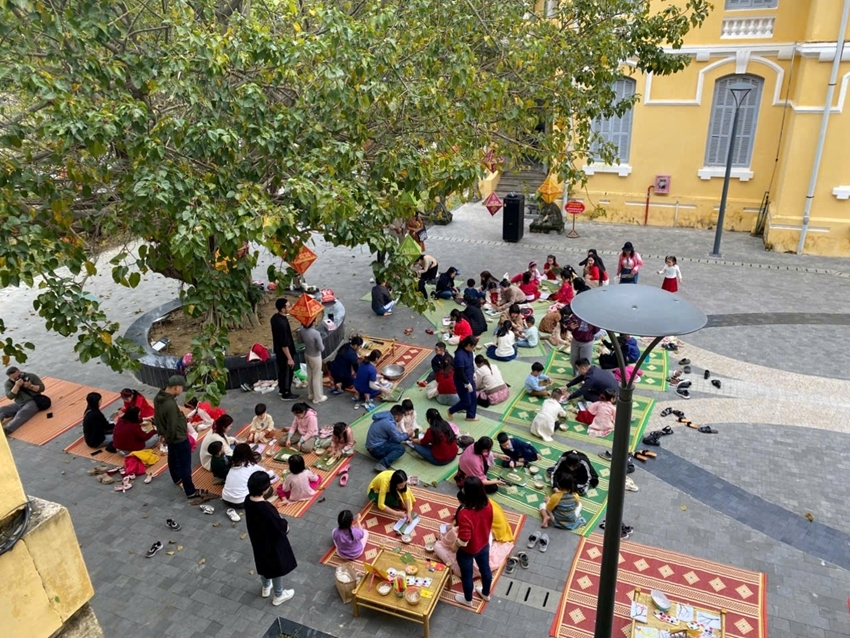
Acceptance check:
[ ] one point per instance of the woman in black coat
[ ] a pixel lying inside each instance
(268, 533)
(97, 430)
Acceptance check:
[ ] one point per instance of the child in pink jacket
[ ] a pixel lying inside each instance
(304, 430)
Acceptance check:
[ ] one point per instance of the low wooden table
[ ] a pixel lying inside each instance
(399, 607)
(645, 598)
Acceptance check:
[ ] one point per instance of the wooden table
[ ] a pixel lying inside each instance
(367, 597)
(645, 598)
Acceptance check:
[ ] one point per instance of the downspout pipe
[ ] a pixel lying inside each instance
(824, 125)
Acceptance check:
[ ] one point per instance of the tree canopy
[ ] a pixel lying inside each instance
(199, 127)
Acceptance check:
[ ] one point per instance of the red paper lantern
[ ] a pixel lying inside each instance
(493, 203)
(303, 260)
(306, 309)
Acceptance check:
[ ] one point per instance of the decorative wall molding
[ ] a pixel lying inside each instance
(747, 28)
(623, 170)
(841, 192)
(738, 172)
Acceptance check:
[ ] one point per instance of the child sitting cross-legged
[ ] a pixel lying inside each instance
(599, 416)
(262, 426)
(349, 537)
(342, 440)
(537, 384)
(563, 508)
(519, 452)
(219, 463)
(300, 484)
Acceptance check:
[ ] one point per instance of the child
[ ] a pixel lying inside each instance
(599, 415)
(342, 440)
(563, 508)
(672, 274)
(530, 287)
(349, 537)
(536, 383)
(219, 463)
(436, 363)
(578, 466)
(531, 336)
(262, 426)
(199, 414)
(547, 420)
(471, 292)
(518, 452)
(550, 264)
(304, 430)
(494, 293)
(366, 382)
(300, 484)
(409, 422)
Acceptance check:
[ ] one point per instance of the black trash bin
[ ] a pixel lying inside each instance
(513, 222)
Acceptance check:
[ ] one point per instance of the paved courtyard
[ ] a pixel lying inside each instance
(777, 336)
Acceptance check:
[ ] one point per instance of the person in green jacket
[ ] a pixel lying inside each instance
(170, 424)
(21, 388)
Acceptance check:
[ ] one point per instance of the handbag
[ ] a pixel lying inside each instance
(327, 295)
(42, 401)
(422, 234)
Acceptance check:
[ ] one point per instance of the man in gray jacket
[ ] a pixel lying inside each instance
(21, 388)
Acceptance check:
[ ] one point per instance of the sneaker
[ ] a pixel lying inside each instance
(684, 385)
(379, 467)
(286, 595)
(480, 590)
(266, 591)
(321, 400)
(289, 396)
(154, 549)
(369, 406)
(683, 393)
(172, 524)
(463, 601)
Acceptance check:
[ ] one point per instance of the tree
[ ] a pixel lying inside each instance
(199, 127)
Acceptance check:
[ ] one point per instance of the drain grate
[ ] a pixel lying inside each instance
(527, 594)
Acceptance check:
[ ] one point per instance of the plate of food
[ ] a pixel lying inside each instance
(411, 570)
(384, 589)
(514, 478)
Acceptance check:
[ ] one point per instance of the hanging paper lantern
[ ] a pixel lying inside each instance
(410, 248)
(491, 162)
(550, 190)
(303, 260)
(493, 203)
(306, 309)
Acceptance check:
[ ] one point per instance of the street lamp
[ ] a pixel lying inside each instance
(644, 311)
(740, 91)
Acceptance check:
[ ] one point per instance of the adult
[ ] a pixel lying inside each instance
(475, 317)
(492, 388)
(446, 288)
(22, 388)
(487, 279)
(628, 264)
(475, 460)
(438, 446)
(389, 491)
(220, 432)
(366, 384)
(583, 335)
(510, 295)
(268, 531)
(129, 435)
(580, 285)
(382, 301)
(464, 378)
(593, 382)
(475, 522)
(445, 378)
(460, 328)
(416, 229)
(629, 348)
(243, 464)
(170, 424)
(426, 267)
(313, 349)
(97, 430)
(384, 439)
(130, 398)
(578, 466)
(505, 347)
(284, 349)
(344, 366)
(514, 315)
(594, 274)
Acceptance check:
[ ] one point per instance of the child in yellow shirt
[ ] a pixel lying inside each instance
(262, 426)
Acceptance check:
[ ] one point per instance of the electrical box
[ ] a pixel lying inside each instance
(662, 184)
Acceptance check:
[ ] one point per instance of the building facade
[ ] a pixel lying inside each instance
(673, 144)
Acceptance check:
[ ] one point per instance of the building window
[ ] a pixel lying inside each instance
(751, 4)
(722, 114)
(618, 130)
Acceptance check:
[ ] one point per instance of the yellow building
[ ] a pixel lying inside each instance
(784, 51)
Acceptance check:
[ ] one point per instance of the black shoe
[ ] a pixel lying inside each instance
(685, 362)
(666, 411)
(687, 370)
(707, 374)
(683, 385)
(716, 383)
(630, 468)
(684, 394)
(289, 396)
(111, 448)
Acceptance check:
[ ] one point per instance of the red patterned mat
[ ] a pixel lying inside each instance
(405, 354)
(435, 509)
(683, 578)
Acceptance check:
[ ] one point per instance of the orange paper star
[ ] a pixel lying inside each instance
(306, 309)
(303, 260)
(550, 190)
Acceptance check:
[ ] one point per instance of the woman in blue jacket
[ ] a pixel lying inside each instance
(464, 378)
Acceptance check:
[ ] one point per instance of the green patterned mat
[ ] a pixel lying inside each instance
(528, 499)
(655, 369)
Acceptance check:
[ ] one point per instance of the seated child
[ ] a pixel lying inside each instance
(537, 383)
(300, 484)
(342, 440)
(366, 382)
(599, 415)
(471, 292)
(409, 422)
(547, 420)
(304, 430)
(579, 467)
(262, 426)
(519, 452)
(349, 537)
(563, 508)
(219, 463)
(531, 336)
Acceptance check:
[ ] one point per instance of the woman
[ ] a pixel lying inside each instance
(492, 389)
(445, 378)
(580, 285)
(460, 329)
(476, 460)
(415, 226)
(474, 523)
(510, 295)
(129, 436)
(132, 398)
(561, 335)
(267, 529)
(97, 430)
(438, 446)
(486, 279)
(592, 274)
(464, 378)
(243, 464)
(628, 264)
(344, 366)
(220, 430)
(389, 491)
(505, 347)
(514, 315)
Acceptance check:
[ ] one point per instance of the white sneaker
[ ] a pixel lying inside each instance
(266, 591)
(480, 590)
(287, 594)
(463, 601)
(322, 400)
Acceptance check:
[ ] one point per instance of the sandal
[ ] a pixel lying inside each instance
(705, 429)
(106, 480)
(673, 381)
(666, 411)
(532, 540)
(677, 413)
(232, 514)
(125, 485)
(605, 455)
(684, 393)
(707, 374)
(544, 543)
(716, 383)
(510, 566)
(343, 477)
(154, 549)
(639, 456)
(666, 430)
(207, 509)
(651, 440)
(687, 422)
(685, 362)
(647, 453)
(523, 558)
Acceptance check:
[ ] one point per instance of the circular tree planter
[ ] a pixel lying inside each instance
(156, 367)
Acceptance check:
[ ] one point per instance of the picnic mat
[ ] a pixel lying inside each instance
(682, 578)
(528, 498)
(655, 369)
(69, 404)
(435, 509)
(405, 354)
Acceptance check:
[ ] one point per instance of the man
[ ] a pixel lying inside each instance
(593, 381)
(284, 349)
(22, 388)
(313, 349)
(382, 302)
(446, 285)
(629, 347)
(426, 267)
(170, 424)
(384, 439)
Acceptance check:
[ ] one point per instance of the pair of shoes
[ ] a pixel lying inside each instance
(626, 531)
(684, 385)
(605, 455)
(537, 538)
(246, 388)
(343, 476)
(642, 455)
(207, 509)
(369, 406)
(510, 566)
(682, 392)
(653, 438)
(288, 396)
(286, 595)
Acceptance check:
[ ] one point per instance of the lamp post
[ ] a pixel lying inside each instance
(644, 311)
(739, 91)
